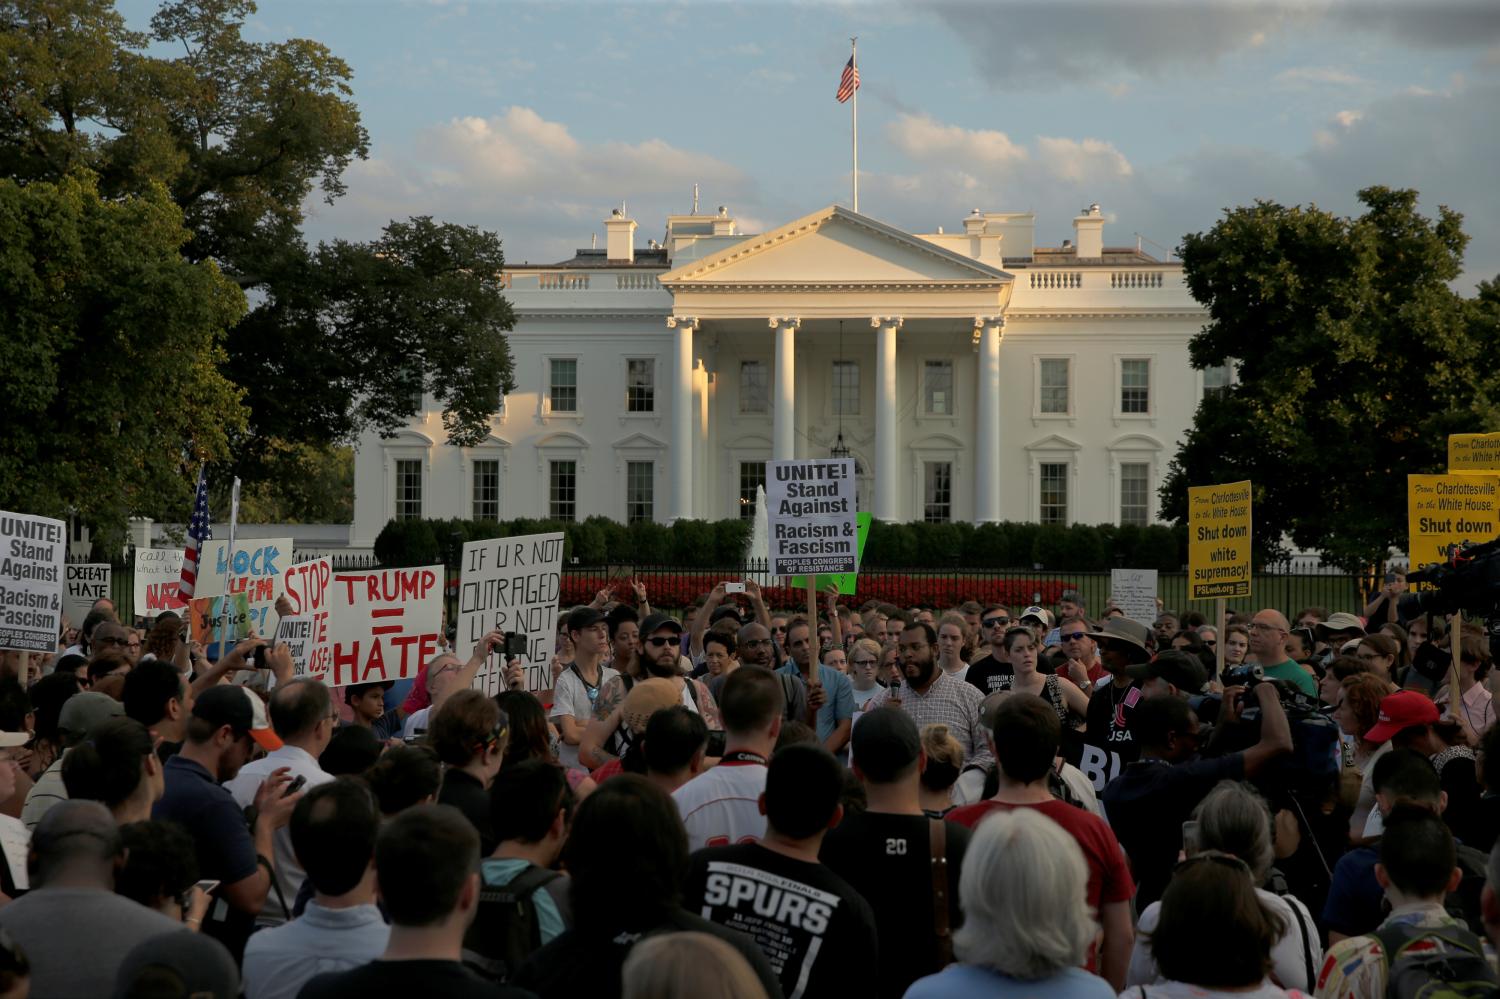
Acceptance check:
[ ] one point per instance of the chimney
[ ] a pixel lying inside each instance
(1088, 231)
(974, 224)
(723, 224)
(619, 239)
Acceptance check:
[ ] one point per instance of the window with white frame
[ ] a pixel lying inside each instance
(937, 491)
(640, 491)
(486, 489)
(937, 388)
(752, 480)
(562, 491)
(755, 387)
(640, 385)
(1216, 380)
(1135, 493)
(1052, 499)
(1053, 389)
(845, 388)
(1135, 385)
(409, 489)
(563, 384)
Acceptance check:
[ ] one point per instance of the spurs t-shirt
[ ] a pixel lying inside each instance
(816, 931)
(1107, 743)
(888, 860)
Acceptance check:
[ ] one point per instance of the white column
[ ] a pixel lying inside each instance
(783, 413)
(887, 455)
(987, 430)
(681, 505)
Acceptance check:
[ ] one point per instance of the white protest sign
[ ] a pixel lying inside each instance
(85, 584)
(32, 553)
(812, 520)
(382, 623)
(1134, 592)
(259, 565)
(511, 585)
(307, 591)
(295, 631)
(157, 573)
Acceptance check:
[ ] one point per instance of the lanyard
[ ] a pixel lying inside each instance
(742, 756)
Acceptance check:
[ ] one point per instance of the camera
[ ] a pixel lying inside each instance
(515, 645)
(1468, 581)
(1315, 737)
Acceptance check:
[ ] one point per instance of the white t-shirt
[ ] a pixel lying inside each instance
(1182, 990)
(722, 806)
(416, 720)
(1294, 960)
(570, 696)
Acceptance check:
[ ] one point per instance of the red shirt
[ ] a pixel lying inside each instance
(606, 771)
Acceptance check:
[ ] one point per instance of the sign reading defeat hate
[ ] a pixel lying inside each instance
(1219, 540)
(511, 585)
(811, 516)
(85, 584)
(32, 552)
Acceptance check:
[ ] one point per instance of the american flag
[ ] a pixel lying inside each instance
(849, 82)
(199, 531)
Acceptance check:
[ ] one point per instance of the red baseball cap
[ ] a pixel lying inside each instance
(1401, 710)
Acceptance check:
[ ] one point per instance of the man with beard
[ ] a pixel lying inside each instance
(932, 697)
(830, 698)
(1107, 743)
(992, 672)
(755, 648)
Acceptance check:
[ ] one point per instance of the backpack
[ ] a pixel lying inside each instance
(1463, 903)
(1460, 971)
(506, 930)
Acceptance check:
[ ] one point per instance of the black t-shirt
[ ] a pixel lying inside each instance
(407, 978)
(464, 792)
(817, 932)
(1107, 743)
(990, 674)
(888, 860)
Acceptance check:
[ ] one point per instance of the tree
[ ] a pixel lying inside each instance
(1355, 361)
(112, 344)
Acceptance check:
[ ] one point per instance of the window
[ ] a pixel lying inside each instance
(1135, 385)
(640, 385)
(1216, 380)
(845, 388)
(1053, 386)
(752, 479)
(564, 387)
(755, 387)
(1135, 495)
(937, 388)
(640, 485)
(563, 493)
(937, 491)
(1053, 505)
(408, 489)
(487, 489)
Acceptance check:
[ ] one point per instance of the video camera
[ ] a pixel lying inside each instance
(1469, 581)
(1315, 737)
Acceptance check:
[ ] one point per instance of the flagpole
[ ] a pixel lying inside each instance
(854, 112)
(234, 516)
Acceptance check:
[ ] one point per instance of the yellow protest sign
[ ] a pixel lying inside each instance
(1473, 453)
(1219, 541)
(1445, 510)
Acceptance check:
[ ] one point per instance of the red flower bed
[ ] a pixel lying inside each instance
(901, 589)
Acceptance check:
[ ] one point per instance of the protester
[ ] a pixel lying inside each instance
(405, 777)
(178, 964)
(352, 750)
(820, 937)
(77, 722)
(73, 929)
(646, 699)
(577, 688)
(888, 852)
(953, 640)
(945, 761)
(672, 748)
(159, 697)
(1379, 653)
(830, 700)
(332, 831)
(1173, 673)
(1411, 721)
(688, 966)
(1357, 711)
(367, 709)
(1236, 644)
(161, 872)
(436, 680)
(470, 734)
(1027, 927)
(1268, 635)
(1063, 694)
(719, 658)
(864, 660)
(115, 765)
(1476, 708)
(720, 805)
(1108, 745)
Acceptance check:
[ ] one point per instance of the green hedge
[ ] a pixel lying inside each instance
(716, 544)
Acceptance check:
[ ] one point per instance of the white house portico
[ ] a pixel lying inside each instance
(972, 376)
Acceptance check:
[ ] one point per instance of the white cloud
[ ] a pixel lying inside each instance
(1080, 159)
(1305, 77)
(923, 138)
(1348, 119)
(984, 150)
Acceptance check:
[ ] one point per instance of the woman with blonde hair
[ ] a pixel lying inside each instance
(688, 966)
(953, 641)
(945, 761)
(1027, 923)
(864, 664)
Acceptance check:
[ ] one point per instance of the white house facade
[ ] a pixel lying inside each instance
(972, 375)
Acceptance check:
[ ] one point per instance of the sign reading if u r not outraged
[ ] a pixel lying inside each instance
(811, 516)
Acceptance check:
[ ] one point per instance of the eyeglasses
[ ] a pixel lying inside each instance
(862, 662)
(754, 643)
(657, 641)
(995, 622)
(1369, 657)
(110, 640)
(1263, 626)
(1074, 636)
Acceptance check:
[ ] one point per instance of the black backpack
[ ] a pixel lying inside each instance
(1459, 971)
(506, 930)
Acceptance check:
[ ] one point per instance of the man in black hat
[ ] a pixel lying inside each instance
(1107, 743)
(576, 692)
(661, 651)
(1173, 673)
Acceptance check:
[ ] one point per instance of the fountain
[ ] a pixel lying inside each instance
(758, 557)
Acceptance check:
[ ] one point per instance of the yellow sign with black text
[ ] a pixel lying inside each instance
(1473, 453)
(1219, 532)
(1445, 510)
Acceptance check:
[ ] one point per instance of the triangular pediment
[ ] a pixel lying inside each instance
(834, 247)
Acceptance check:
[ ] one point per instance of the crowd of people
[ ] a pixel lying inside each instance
(981, 800)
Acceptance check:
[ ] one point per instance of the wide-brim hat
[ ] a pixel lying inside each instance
(1132, 633)
(1340, 622)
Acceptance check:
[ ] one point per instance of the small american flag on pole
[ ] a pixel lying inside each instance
(849, 82)
(199, 531)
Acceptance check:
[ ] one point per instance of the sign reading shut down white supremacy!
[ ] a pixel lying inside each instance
(811, 516)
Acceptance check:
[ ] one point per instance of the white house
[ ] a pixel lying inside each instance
(972, 375)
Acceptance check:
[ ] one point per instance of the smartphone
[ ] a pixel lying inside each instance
(515, 645)
(295, 786)
(1191, 843)
(208, 885)
(734, 588)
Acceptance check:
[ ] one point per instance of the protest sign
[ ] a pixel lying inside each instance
(382, 623)
(1473, 453)
(1219, 541)
(1134, 592)
(257, 572)
(1445, 510)
(214, 619)
(811, 516)
(307, 591)
(847, 582)
(32, 552)
(295, 631)
(511, 585)
(85, 584)
(157, 573)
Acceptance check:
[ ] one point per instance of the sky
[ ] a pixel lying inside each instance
(536, 119)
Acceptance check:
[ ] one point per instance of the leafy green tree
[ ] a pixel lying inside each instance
(1355, 357)
(113, 344)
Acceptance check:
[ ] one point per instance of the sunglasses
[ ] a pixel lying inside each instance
(995, 622)
(1074, 636)
(657, 641)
